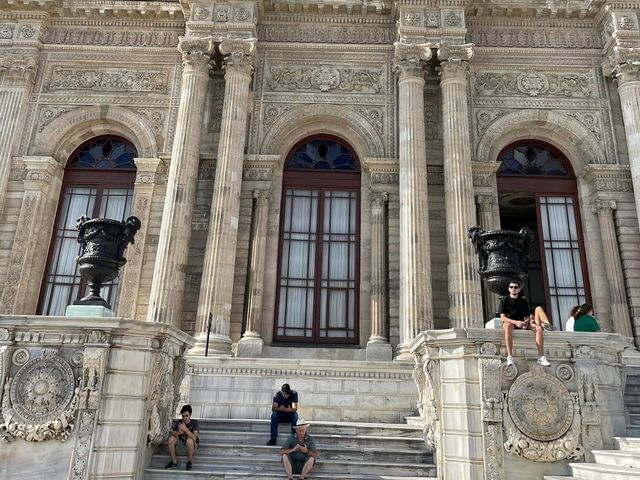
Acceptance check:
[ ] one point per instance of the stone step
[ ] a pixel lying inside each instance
(632, 389)
(633, 379)
(617, 459)
(627, 444)
(205, 464)
(334, 440)
(633, 431)
(634, 419)
(212, 451)
(157, 474)
(556, 477)
(367, 429)
(592, 471)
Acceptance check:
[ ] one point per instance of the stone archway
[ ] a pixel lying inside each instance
(63, 135)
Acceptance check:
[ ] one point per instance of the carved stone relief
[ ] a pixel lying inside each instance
(485, 36)
(40, 402)
(542, 419)
(485, 117)
(107, 79)
(161, 401)
(533, 83)
(591, 120)
(324, 78)
(425, 376)
(48, 114)
(111, 36)
(313, 33)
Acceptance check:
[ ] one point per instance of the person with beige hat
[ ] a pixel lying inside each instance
(299, 452)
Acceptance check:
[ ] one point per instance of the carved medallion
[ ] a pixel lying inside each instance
(42, 389)
(540, 406)
(200, 13)
(453, 20)
(625, 23)
(533, 83)
(412, 18)
(564, 372)
(20, 357)
(6, 31)
(432, 20)
(325, 78)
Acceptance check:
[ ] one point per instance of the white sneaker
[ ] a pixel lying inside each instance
(510, 360)
(543, 361)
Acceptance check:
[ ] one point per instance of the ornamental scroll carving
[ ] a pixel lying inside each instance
(324, 78)
(107, 79)
(161, 400)
(350, 34)
(533, 83)
(424, 375)
(40, 402)
(542, 419)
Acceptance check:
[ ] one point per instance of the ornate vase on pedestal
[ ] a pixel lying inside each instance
(103, 242)
(503, 255)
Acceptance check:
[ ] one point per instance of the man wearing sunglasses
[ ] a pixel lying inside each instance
(183, 437)
(515, 313)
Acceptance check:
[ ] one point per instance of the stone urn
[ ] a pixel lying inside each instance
(103, 242)
(503, 255)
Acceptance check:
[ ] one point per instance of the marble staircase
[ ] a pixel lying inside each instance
(624, 462)
(235, 448)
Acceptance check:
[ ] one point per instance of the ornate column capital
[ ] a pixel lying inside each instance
(262, 197)
(486, 203)
(454, 60)
(239, 55)
(604, 207)
(623, 64)
(409, 58)
(40, 173)
(196, 52)
(147, 170)
(378, 200)
(17, 69)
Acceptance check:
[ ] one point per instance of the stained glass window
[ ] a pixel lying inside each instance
(322, 154)
(531, 160)
(104, 153)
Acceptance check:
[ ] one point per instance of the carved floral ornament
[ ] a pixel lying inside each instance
(410, 57)
(454, 59)
(533, 83)
(196, 52)
(324, 78)
(623, 64)
(238, 54)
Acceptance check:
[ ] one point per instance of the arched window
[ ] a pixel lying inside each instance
(319, 254)
(537, 189)
(98, 182)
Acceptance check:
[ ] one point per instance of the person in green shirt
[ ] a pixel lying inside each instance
(299, 452)
(584, 319)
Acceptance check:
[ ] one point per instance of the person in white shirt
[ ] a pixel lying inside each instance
(571, 320)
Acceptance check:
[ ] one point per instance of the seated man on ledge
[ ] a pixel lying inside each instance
(515, 313)
(284, 409)
(299, 453)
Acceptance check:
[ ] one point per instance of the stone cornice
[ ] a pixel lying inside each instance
(123, 8)
(329, 7)
(609, 178)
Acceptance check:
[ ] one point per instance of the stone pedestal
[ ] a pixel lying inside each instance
(88, 311)
(488, 420)
(86, 397)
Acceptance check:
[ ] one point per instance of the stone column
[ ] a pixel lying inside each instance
(488, 220)
(613, 268)
(465, 297)
(165, 302)
(250, 345)
(28, 258)
(416, 309)
(216, 289)
(378, 346)
(146, 181)
(17, 72)
(624, 66)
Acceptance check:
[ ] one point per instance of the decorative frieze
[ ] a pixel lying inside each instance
(555, 38)
(313, 33)
(324, 78)
(485, 117)
(107, 79)
(120, 37)
(533, 83)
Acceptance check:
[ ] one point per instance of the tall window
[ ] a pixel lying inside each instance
(318, 267)
(98, 182)
(537, 189)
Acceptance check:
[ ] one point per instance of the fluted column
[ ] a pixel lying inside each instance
(613, 267)
(416, 310)
(465, 297)
(17, 72)
(624, 66)
(143, 189)
(42, 183)
(487, 220)
(378, 346)
(165, 302)
(250, 345)
(216, 290)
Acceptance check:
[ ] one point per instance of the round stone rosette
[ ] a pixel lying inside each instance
(43, 389)
(540, 406)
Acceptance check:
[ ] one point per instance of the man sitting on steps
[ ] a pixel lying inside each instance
(284, 409)
(183, 437)
(299, 453)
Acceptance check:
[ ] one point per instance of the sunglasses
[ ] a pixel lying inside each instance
(514, 286)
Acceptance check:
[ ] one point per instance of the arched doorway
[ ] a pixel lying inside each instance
(98, 182)
(537, 188)
(319, 246)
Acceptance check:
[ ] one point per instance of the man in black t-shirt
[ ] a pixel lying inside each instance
(184, 437)
(283, 409)
(515, 313)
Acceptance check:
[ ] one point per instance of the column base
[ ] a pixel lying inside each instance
(379, 350)
(403, 353)
(250, 345)
(219, 346)
(88, 311)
